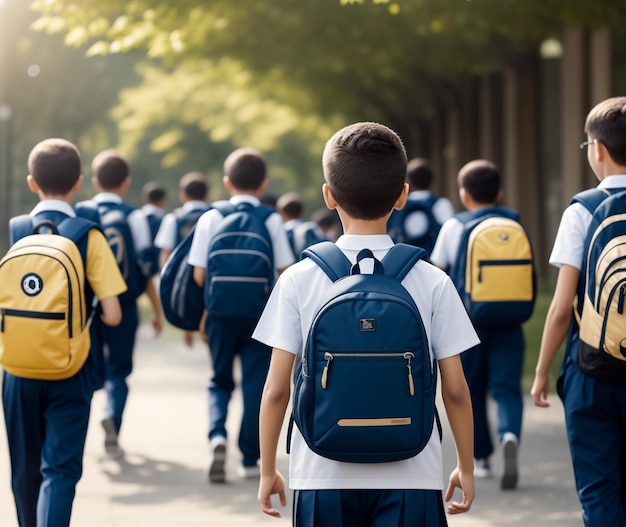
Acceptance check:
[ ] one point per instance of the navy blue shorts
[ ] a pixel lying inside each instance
(368, 508)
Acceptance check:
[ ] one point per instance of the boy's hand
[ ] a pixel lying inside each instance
(188, 338)
(157, 323)
(269, 485)
(540, 389)
(465, 482)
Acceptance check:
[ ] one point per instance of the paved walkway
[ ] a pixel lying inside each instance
(161, 481)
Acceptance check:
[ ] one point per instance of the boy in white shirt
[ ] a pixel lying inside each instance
(365, 167)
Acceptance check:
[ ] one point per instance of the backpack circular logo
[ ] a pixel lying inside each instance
(32, 284)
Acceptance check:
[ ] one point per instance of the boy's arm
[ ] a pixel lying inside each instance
(555, 330)
(153, 296)
(456, 399)
(274, 403)
(199, 274)
(111, 310)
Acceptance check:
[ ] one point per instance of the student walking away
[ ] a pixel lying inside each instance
(128, 234)
(301, 233)
(193, 193)
(154, 195)
(365, 448)
(419, 222)
(329, 222)
(238, 248)
(589, 253)
(57, 264)
(489, 258)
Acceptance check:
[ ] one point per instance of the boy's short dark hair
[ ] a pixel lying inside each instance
(481, 179)
(365, 169)
(194, 186)
(110, 168)
(153, 192)
(245, 168)
(291, 205)
(606, 123)
(419, 174)
(55, 166)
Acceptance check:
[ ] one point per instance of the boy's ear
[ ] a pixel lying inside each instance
(404, 195)
(500, 195)
(227, 184)
(78, 184)
(329, 199)
(95, 183)
(32, 184)
(463, 196)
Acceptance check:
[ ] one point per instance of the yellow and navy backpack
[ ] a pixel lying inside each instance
(494, 272)
(601, 298)
(45, 325)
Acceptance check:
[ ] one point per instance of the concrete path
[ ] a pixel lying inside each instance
(161, 480)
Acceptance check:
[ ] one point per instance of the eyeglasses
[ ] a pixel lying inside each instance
(586, 143)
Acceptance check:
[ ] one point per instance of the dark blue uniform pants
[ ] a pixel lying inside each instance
(46, 424)
(495, 367)
(595, 415)
(228, 339)
(368, 508)
(119, 343)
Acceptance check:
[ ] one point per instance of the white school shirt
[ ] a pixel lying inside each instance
(137, 221)
(569, 243)
(447, 244)
(166, 235)
(55, 205)
(209, 221)
(285, 323)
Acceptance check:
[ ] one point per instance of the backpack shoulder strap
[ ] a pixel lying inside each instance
(88, 209)
(224, 207)
(20, 227)
(76, 228)
(591, 198)
(330, 259)
(401, 258)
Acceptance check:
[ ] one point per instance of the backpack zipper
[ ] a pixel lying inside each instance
(484, 263)
(243, 279)
(407, 355)
(29, 314)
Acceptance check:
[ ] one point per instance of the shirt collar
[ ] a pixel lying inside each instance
(356, 242)
(194, 204)
(617, 181)
(420, 194)
(55, 205)
(107, 197)
(245, 198)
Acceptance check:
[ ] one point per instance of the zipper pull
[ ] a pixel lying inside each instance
(480, 271)
(2, 323)
(329, 359)
(408, 356)
(620, 301)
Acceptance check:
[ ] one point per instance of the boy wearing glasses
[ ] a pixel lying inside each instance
(595, 410)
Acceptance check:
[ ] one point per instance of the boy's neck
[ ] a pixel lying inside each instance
(364, 227)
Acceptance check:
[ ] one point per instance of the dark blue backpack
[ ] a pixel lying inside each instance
(186, 220)
(601, 300)
(495, 272)
(154, 222)
(181, 298)
(135, 268)
(240, 268)
(399, 219)
(365, 388)
(302, 235)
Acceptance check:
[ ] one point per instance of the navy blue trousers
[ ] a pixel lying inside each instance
(228, 339)
(119, 344)
(368, 508)
(595, 415)
(494, 367)
(46, 423)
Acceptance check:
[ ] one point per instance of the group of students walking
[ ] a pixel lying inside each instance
(268, 282)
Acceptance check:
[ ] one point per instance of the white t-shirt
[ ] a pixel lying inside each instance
(209, 221)
(285, 323)
(569, 244)
(446, 247)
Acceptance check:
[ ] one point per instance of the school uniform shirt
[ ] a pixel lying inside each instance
(151, 209)
(446, 247)
(209, 221)
(101, 270)
(442, 211)
(569, 244)
(137, 222)
(285, 324)
(167, 236)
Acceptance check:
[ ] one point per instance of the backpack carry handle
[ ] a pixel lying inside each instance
(47, 224)
(364, 254)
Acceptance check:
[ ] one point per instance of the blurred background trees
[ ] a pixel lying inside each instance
(177, 84)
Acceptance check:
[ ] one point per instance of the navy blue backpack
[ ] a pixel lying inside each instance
(303, 235)
(181, 298)
(365, 388)
(186, 220)
(135, 268)
(240, 269)
(399, 219)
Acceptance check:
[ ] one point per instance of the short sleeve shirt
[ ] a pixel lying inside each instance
(285, 323)
(446, 247)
